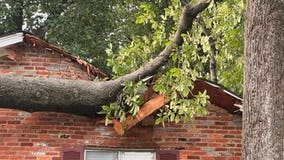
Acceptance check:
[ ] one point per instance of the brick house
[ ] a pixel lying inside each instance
(62, 136)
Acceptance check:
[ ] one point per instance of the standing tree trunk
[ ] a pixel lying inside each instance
(263, 117)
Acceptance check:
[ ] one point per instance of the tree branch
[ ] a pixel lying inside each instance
(213, 50)
(189, 13)
(84, 97)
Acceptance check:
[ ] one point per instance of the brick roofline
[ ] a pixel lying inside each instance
(36, 41)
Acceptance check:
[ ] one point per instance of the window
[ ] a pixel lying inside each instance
(79, 153)
(119, 155)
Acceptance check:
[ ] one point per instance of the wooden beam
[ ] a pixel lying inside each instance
(147, 109)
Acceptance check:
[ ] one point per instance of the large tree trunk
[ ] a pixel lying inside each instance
(84, 97)
(263, 117)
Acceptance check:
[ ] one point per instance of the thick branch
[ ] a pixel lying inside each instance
(189, 13)
(83, 97)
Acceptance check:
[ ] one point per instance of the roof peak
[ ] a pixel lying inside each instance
(25, 37)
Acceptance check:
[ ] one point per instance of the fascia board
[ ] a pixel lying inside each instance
(11, 39)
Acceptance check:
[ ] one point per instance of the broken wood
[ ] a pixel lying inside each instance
(147, 109)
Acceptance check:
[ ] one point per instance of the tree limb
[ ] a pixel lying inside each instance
(213, 50)
(84, 97)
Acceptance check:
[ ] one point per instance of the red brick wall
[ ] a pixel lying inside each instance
(42, 136)
(33, 61)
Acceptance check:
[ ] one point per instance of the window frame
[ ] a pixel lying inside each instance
(159, 153)
(79, 150)
(119, 150)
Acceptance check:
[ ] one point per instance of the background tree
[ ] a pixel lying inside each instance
(76, 25)
(263, 116)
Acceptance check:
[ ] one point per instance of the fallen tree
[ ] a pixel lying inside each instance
(85, 97)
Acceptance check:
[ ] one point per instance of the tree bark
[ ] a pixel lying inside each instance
(84, 97)
(263, 116)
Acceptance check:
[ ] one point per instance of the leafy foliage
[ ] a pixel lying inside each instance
(226, 21)
(231, 46)
(190, 60)
(128, 102)
(176, 80)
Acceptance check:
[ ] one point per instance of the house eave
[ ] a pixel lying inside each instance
(24, 37)
(11, 39)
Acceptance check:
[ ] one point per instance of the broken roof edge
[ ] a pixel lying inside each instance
(36, 41)
(226, 90)
(219, 95)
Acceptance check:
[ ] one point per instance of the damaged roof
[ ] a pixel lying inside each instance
(37, 42)
(219, 95)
